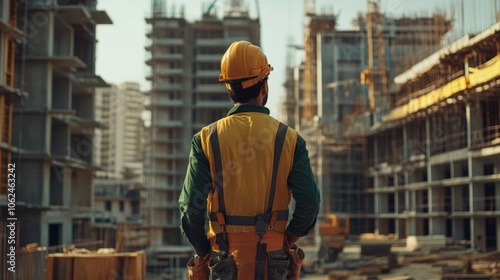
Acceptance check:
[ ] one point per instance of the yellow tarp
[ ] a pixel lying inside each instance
(487, 72)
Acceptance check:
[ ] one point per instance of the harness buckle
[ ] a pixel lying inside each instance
(260, 224)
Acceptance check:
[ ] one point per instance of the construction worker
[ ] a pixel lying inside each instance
(242, 172)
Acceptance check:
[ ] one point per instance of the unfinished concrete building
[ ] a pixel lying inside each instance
(185, 96)
(316, 24)
(53, 126)
(349, 71)
(434, 161)
(10, 36)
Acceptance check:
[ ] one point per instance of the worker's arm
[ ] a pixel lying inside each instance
(193, 198)
(304, 191)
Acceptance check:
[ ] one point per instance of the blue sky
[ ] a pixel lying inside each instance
(121, 55)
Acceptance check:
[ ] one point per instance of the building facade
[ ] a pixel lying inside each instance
(434, 161)
(120, 141)
(53, 126)
(10, 35)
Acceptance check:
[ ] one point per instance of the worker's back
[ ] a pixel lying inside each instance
(247, 148)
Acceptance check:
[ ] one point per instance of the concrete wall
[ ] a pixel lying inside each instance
(40, 33)
(120, 216)
(82, 191)
(33, 188)
(40, 86)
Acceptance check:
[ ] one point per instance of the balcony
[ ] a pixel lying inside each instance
(114, 191)
(74, 12)
(214, 104)
(223, 42)
(486, 137)
(164, 205)
(168, 87)
(169, 41)
(168, 71)
(207, 74)
(84, 81)
(167, 123)
(166, 102)
(166, 139)
(159, 171)
(208, 57)
(168, 56)
(167, 155)
(210, 88)
(448, 143)
(64, 62)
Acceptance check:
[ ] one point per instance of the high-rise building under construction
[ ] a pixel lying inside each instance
(52, 124)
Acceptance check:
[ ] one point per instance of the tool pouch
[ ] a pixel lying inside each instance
(222, 268)
(198, 271)
(296, 258)
(278, 264)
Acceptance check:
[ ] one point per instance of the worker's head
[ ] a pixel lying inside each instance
(244, 70)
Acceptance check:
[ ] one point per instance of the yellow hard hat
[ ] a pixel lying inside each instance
(243, 65)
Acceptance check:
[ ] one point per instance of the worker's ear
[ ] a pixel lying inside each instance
(264, 87)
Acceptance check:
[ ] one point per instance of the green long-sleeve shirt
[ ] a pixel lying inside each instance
(198, 184)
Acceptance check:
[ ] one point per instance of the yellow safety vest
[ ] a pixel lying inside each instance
(250, 156)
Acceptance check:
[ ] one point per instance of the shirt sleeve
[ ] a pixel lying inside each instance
(193, 198)
(304, 191)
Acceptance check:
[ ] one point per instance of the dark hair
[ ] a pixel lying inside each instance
(247, 94)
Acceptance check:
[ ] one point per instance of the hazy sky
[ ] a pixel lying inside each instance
(121, 55)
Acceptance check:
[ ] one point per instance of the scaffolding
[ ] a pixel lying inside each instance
(10, 36)
(315, 24)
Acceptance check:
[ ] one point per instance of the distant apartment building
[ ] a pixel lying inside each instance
(185, 96)
(118, 222)
(119, 151)
(120, 140)
(53, 126)
(434, 161)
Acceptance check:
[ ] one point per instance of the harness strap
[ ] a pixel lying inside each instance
(259, 221)
(278, 148)
(232, 220)
(214, 142)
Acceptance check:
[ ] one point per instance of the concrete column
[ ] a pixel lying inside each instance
(396, 204)
(45, 183)
(497, 197)
(498, 233)
(412, 226)
(67, 231)
(477, 199)
(406, 156)
(477, 229)
(468, 125)
(44, 232)
(458, 229)
(66, 177)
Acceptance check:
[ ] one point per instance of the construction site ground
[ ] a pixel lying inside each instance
(454, 262)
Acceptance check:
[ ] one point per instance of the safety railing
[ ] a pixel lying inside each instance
(485, 136)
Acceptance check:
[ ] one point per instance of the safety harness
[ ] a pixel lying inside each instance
(259, 221)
